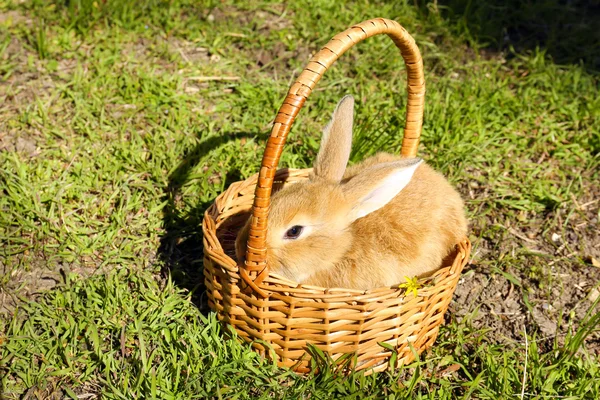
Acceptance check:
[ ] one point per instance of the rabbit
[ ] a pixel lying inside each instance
(371, 225)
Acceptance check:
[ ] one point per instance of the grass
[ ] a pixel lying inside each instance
(124, 335)
(111, 148)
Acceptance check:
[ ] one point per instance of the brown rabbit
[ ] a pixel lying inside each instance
(371, 225)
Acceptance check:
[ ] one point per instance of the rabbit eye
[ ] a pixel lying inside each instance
(294, 232)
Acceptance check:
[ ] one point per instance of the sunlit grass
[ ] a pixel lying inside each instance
(113, 146)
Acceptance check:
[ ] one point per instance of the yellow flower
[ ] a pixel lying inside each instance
(411, 285)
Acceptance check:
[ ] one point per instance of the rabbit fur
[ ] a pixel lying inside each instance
(370, 225)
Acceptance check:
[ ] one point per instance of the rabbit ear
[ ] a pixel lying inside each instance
(376, 186)
(336, 142)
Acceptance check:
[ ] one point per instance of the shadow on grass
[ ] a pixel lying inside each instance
(181, 246)
(568, 30)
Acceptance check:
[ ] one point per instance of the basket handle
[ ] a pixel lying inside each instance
(255, 269)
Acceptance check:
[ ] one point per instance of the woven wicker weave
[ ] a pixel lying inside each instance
(266, 308)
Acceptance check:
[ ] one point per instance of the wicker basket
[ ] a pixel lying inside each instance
(266, 309)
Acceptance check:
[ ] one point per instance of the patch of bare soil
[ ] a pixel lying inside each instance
(550, 280)
(18, 283)
(260, 20)
(13, 17)
(21, 90)
(272, 59)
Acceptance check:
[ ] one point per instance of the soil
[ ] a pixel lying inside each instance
(550, 281)
(276, 59)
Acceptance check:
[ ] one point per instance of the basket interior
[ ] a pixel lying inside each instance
(228, 227)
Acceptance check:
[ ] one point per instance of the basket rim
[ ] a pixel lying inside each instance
(232, 266)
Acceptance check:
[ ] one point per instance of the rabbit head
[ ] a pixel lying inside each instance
(309, 222)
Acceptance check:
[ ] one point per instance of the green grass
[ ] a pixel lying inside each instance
(125, 334)
(111, 148)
